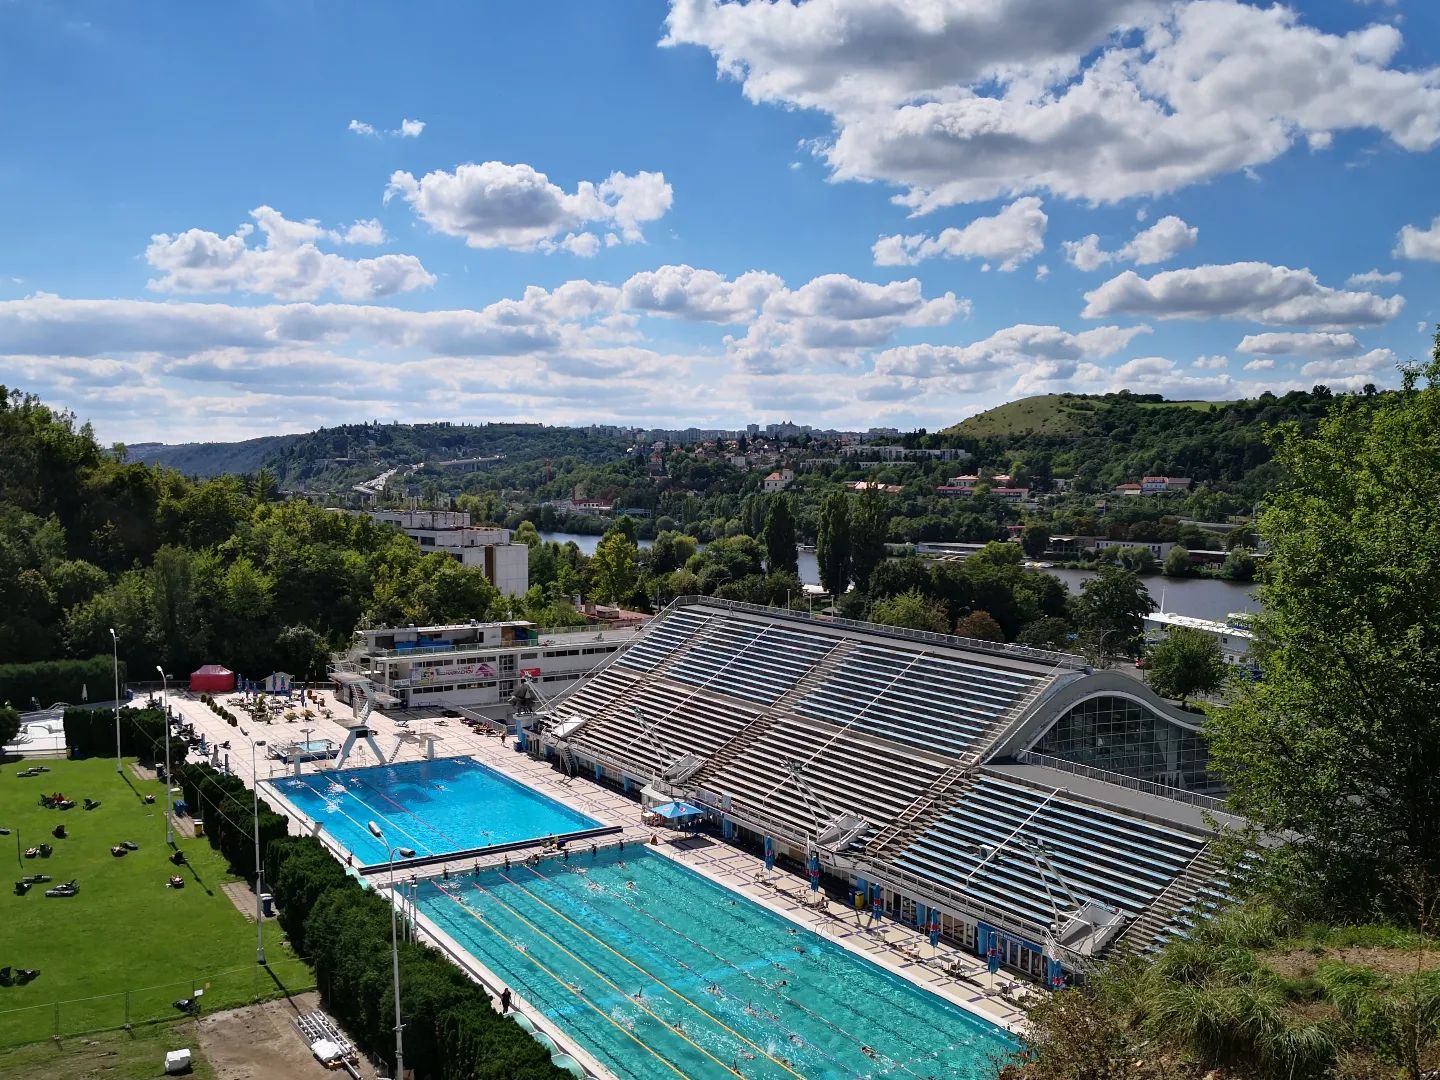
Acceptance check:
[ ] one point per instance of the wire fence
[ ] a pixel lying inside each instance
(145, 1005)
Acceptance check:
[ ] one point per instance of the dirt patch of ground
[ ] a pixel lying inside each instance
(1301, 963)
(260, 1042)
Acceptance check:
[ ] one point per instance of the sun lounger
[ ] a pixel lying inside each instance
(70, 888)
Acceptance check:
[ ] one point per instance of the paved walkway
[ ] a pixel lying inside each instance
(953, 973)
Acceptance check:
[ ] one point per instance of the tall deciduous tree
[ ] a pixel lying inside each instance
(832, 546)
(1187, 662)
(612, 570)
(1338, 747)
(1035, 539)
(869, 526)
(912, 610)
(1110, 611)
(779, 537)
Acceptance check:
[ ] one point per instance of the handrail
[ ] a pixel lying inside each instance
(950, 641)
(1149, 787)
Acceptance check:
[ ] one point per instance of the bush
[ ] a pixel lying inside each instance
(91, 733)
(451, 1030)
(49, 681)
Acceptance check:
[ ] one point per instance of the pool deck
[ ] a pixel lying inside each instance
(948, 971)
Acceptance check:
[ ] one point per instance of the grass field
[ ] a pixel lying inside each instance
(126, 946)
(110, 1055)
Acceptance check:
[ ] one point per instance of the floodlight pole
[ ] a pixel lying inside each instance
(390, 853)
(169, 802)
(259, 869)
(115, 655)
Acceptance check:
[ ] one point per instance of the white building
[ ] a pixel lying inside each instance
(1233, 635)
(1157, 548)
(778, 481)
(474, 664)
(506, 564)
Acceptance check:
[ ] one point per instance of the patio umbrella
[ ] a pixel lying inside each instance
(769, 854)
(934, 928)
(84, 691)
(814, 871)
(877, 902)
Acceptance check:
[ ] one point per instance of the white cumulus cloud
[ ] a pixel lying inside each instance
(1159, 243)
(498, 205)
(1257, 291)
(408, 129)
(288, 264)
(1013, 236)
(1294, 344)
(1374, 277)
(1417, 243)
(955, 101)
(684, 292)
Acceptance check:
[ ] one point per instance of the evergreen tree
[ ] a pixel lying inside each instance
(779, 538)
(832, 546)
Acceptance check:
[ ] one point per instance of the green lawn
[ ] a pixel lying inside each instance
(126, 943)
(112, 1055)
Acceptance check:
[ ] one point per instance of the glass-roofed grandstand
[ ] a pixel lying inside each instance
(1049, 813)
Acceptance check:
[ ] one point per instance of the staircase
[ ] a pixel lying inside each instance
(1140, 935)
(816, 676)
(737, 744)
(920, 814)
(566, 755)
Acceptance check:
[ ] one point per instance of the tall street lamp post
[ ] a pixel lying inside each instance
(169, 802)
(259, 868)
(390, 854)
(115, 655)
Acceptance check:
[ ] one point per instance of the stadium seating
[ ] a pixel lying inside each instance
(1119, 859)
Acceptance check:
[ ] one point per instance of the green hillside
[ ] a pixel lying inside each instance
(1045, 414)
(211, 459)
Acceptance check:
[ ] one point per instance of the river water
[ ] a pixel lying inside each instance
(1201, 598)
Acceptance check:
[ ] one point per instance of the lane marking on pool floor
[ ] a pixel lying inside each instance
(649, 975)
(616, 987)
(589, 1004)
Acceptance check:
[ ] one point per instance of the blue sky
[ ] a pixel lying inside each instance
(219, 222)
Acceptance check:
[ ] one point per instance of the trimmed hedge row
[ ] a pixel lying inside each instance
(224, 804)
(451, 1030)
(91, 733)
(49, 681)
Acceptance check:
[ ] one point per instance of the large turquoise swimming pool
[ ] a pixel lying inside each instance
(440, 806)
(661, 973)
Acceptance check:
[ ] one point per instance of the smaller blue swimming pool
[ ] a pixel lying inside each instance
(436, 807)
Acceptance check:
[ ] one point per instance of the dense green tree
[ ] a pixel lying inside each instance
(779, 537)
(613, 574)
(671, 551)
(869, 529)
(981, 626)
(912, 610)
(1035, 539)
(1046, 632)
(1337, 748)
(1186, 662)
(9, 724)
(832, 545)
(1177, 562)
(526, 533)
(1110, 611)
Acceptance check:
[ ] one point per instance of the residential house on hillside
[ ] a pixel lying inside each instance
(1162, 485)
(778, 480)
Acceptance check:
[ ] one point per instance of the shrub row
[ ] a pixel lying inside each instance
(451, 1030)
(220, 710)
(49, 681)
(224, 803)
(91, 733)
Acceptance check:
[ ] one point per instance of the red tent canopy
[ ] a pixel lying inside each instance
(213, 679)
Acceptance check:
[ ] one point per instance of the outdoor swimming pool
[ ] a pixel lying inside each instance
(440, 806)
(659, 972)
